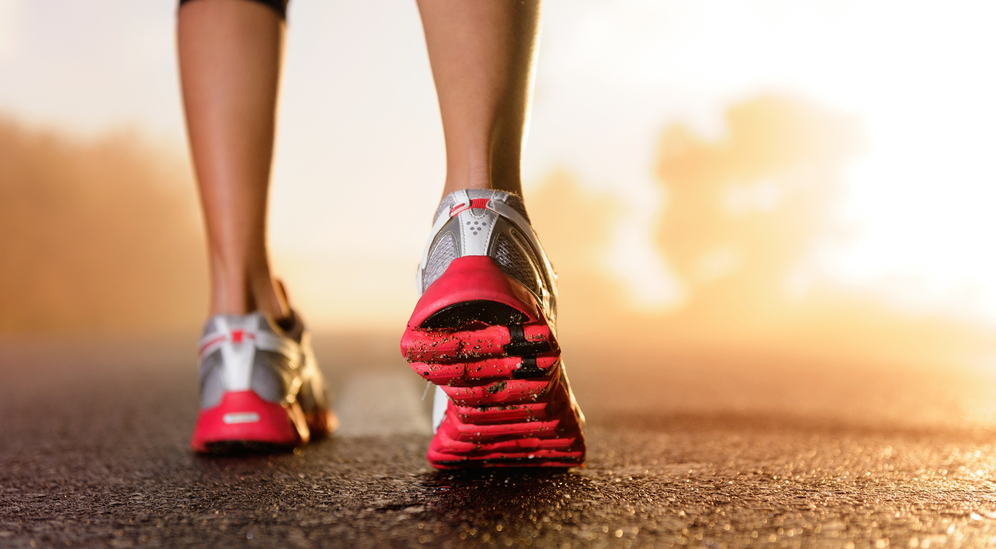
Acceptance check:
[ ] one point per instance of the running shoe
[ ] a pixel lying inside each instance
(484, 331)
(260, 386)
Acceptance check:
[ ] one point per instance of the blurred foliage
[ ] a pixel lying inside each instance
(103, 235)
(742, 217)
(747, 209)
(99, 235)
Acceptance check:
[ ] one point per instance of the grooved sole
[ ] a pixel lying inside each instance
(546, 433)
(481, 342)
(509, 406)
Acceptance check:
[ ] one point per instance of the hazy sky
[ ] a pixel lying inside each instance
(360, 158)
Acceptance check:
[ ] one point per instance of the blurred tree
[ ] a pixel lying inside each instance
(745, 210)
(576, 226)
(96, 235)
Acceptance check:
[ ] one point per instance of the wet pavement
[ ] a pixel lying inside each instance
(687, 447)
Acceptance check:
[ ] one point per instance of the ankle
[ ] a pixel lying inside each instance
(483, 177)
(244, 295)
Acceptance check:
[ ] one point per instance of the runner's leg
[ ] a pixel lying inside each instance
(230, 52)
(260, 385)
(482, 57)
(484, 328)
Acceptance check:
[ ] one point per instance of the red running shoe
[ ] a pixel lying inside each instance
(484, 331)
(260, 386)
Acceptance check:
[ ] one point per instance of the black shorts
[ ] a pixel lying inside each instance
(279, 6)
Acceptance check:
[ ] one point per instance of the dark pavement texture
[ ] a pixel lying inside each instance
(687, 447)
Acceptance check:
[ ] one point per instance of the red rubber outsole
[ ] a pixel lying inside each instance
(509, 405)
(243, 418)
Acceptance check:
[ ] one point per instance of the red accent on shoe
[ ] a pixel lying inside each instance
(472, 372)
(512, 413)
(449, 347)
(242, 416)
(475, 203)
(210, 343)
(473, 277)
(498, 392)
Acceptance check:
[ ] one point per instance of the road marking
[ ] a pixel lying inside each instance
(380, 403)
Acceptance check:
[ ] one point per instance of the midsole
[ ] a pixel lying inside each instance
(242, 416)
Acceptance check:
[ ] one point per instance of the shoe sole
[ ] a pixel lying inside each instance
(244, 422)
(481, 336)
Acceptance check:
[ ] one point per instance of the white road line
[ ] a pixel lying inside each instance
(381, 403)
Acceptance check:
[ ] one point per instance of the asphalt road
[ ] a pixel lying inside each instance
(688, 447)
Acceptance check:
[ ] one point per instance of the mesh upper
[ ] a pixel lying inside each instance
(270, 375)
(514, 262)
(510, 249)
(442, 254)
(212, 380)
